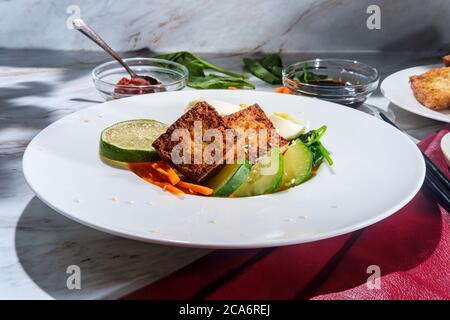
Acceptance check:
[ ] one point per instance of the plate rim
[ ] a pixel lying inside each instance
(226, 245)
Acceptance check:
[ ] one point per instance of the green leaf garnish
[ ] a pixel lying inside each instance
(312, 140)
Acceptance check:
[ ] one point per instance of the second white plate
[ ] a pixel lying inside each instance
(396, 88)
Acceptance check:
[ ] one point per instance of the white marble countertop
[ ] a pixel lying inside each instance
(36, 243)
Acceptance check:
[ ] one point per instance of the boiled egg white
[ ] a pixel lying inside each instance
(222, 107)
(288, 126)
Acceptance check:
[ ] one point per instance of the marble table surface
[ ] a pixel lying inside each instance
(36, 243)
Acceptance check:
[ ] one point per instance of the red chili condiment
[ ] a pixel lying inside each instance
(133, 86)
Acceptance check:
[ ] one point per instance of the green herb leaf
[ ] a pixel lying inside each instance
(213, 81)
(273, 63)
(312, 140)
(195, 64)
(198, 79)
(267, 69)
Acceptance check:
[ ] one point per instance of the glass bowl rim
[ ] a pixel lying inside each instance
(375, 78)
(184, 76)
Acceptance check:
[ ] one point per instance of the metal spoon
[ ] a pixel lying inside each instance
(81, 26)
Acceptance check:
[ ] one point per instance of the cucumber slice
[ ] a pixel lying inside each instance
(264, 177)
(229, 178)
(131, 141)
(298, 163)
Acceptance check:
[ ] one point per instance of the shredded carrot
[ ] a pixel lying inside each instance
(159, 169)
(172, 189)
(196, 188)
(188, 191)
(143, 169)
(283, 90)
(232, 88)
(151, 175)
(169, 172)
(165, 186)
(164, 176)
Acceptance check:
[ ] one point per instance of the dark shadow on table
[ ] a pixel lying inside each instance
(47, 243)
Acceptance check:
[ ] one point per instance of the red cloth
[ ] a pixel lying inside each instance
(411, 248)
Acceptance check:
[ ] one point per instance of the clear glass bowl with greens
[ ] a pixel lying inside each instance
(173, 76)
(346, 82)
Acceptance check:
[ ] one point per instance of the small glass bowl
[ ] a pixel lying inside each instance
(360, 80)
(105, 76)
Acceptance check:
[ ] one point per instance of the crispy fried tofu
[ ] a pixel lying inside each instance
(253, 119)
(432, 88)
(446, 60)
(194, 165)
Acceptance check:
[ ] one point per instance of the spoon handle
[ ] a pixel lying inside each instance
(81, 26)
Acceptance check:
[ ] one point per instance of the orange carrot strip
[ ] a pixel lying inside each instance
(173, 177)
(157, 168)
(166, 186)
(143, 169)
(151, 175)
(232, 88)
(167, 173)
(196, 188)
(283, 90)
(188, 191)
(172, 189)
(170, 173)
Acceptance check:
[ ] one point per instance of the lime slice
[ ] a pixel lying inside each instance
(131, 141)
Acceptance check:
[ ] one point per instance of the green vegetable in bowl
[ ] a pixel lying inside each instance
(308, 76)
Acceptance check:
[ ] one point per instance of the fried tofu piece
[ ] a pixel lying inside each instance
(446, 60)
(432, 88)
(193, 124)
(262, 135)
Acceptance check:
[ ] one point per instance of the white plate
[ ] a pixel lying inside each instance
(396, 88)
(377, 171)
(445, 147)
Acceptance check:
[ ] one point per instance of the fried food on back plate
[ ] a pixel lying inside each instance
(432, 88)
(254, 118)
(446, 60)
(204, 114)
